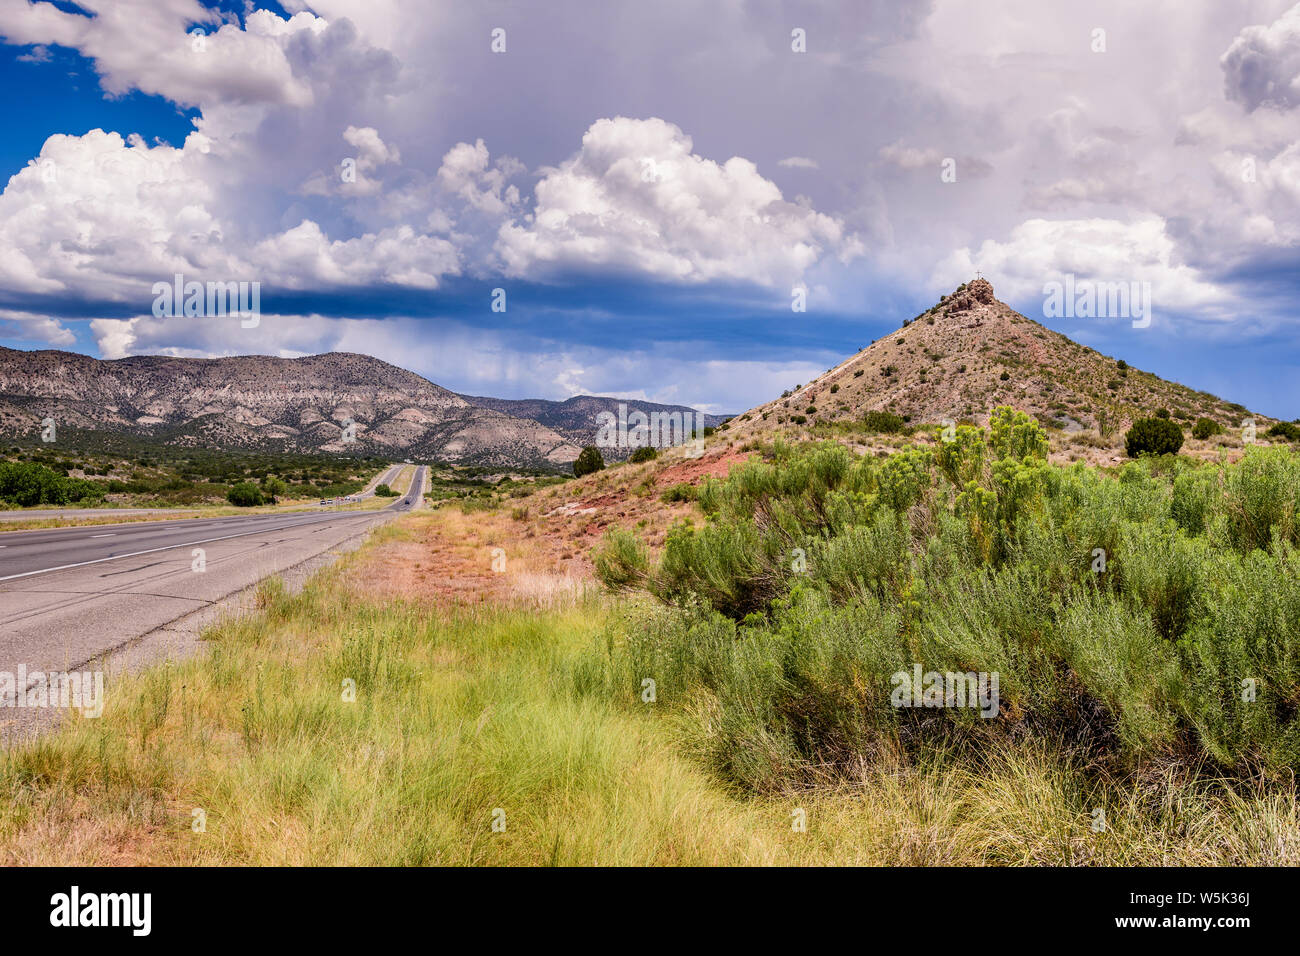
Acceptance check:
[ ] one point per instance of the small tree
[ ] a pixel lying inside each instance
(644, 453)
(588, 461)
(1206, 428)
(244, 495)
(273, 488)
(1287, 431)
(1153, 436)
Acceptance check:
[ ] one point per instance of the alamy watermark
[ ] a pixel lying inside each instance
(129, 910)
(83, 690)
(195, 299)
(654, 430)
(946, 689)
(1087, 299)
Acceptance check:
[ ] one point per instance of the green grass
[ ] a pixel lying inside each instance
(540, 713)
(455, 716)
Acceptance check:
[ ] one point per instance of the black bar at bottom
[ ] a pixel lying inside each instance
(333, 906)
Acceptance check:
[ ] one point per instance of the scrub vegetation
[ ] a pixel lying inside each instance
(1141, 622)
(726, 698)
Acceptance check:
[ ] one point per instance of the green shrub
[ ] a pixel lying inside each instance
(1284, 430)
(684, 491)
(1160, 567)
(645, 453)
(244, 495)
(622, 562)
(1130, 672)
(903, 478)
(883, 422)
(1261, 497)
(27, 483)
(961, 457)
(1206, 428)
(1193, 501)
(734, 566)
(1013, 434)
(383, 491)
(1122, 614)
(589, 460)
(1153, 436)
(866, 560)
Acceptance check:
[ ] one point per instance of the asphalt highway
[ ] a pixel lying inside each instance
(68, 596)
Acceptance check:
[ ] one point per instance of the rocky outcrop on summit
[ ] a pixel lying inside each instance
(274, 404)
(979, 292)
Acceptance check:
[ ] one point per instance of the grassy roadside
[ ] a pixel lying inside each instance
(455, 716)
(460, 711)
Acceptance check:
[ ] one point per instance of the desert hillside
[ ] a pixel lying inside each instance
(971, 352)
(265, 403)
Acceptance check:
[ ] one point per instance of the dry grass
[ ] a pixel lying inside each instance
(463, 708)
(449, 558)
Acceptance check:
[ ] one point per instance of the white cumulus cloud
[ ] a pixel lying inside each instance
(636, 198)
(1096, 250)
(1262, 66)
(148, 45)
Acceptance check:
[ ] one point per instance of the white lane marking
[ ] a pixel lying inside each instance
(133, 554)
(109, 535)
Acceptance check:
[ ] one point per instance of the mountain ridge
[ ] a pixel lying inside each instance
(270, 403)
(576, 418)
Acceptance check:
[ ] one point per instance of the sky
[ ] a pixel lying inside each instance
(626, 198)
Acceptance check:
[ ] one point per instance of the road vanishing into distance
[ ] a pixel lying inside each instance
(69, 596)
(387, 478)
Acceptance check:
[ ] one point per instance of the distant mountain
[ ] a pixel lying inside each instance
(272, 404)
(577, 418)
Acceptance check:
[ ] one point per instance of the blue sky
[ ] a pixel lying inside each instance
(649, 184)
